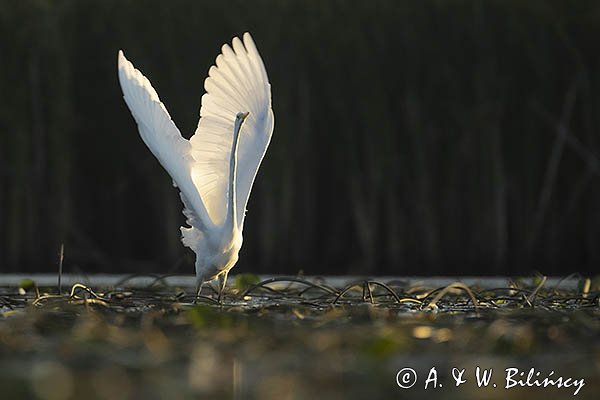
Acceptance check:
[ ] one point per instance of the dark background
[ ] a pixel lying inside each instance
(411, 137)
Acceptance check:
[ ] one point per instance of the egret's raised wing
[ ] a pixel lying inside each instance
(161, 135)
(238, 83)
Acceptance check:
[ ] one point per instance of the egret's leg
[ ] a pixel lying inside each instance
(222, 283)
(198, 289)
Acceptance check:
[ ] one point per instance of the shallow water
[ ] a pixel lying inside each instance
(292, 340)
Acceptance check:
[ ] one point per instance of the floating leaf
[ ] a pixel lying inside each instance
(27, 284)
(244, 281)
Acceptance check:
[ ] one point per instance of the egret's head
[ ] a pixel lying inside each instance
(241, 116)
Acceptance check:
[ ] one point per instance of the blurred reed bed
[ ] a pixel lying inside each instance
(428, 137)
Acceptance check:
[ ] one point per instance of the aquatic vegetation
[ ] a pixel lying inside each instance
(307, 336)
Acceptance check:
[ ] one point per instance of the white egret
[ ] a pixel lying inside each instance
(215, 169)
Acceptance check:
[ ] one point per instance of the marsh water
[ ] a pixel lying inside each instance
(149, 337)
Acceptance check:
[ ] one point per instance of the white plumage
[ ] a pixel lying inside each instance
(216, 168)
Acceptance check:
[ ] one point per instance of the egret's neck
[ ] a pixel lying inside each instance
(231, 221)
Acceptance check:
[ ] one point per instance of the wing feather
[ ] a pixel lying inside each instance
(237, 83)
(164, 140)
